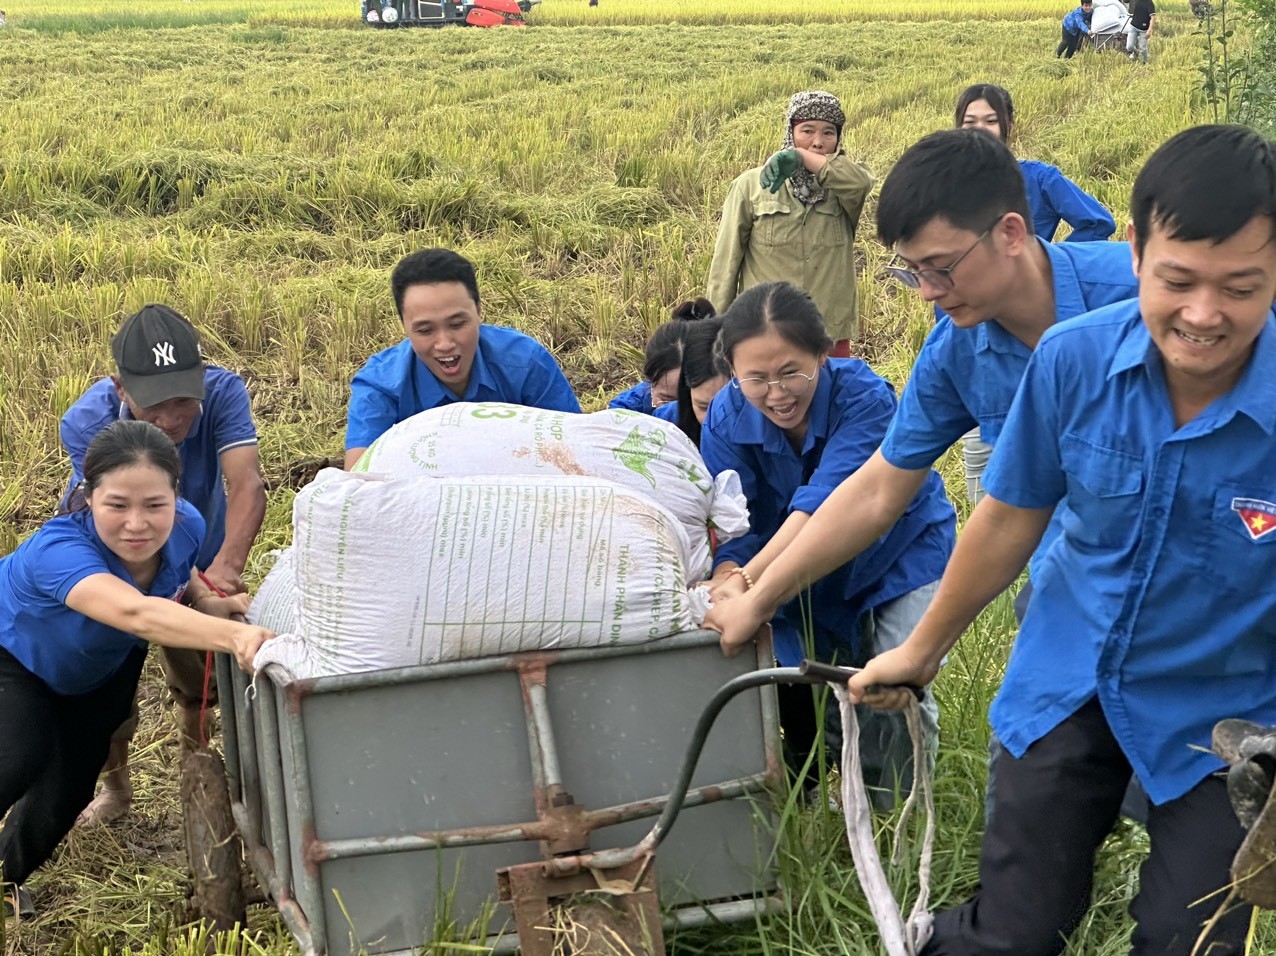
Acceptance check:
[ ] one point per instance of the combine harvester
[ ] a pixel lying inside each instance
(426, 13)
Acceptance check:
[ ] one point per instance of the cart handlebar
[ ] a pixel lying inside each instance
(832, 674)
(808, 672)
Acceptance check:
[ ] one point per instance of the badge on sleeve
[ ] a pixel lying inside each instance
(1258, 516)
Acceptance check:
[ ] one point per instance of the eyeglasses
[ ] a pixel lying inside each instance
(794, 383)
(939, 278)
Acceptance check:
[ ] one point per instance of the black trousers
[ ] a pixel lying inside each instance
(1054, 807)
(1069, 45)
(800, 717)
(52, 747)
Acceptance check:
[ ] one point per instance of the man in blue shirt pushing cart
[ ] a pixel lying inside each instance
(1148, 428)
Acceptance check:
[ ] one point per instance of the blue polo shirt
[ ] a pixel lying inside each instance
(509, 366)
(224, 421)
(848, 416)
(968, 377)
(668, 412)
(1158, 594)
(1052, 197)
(636, 399)
(72, 653)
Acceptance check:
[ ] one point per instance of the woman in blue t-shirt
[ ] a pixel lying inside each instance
(794, 424)
(79, 601)
(1052, 196)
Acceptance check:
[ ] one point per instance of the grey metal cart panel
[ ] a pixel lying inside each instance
(364, 799)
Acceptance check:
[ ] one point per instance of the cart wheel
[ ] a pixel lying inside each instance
(212, 843)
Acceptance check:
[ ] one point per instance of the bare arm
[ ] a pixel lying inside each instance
(730, 586)
(107, 599)
(352, 456)
(245, 509)
(992, 549)
(857, 513)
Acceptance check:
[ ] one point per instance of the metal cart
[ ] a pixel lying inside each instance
(374, 808)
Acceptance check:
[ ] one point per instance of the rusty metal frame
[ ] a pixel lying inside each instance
(271, 790)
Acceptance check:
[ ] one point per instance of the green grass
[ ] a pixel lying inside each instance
(262, 166)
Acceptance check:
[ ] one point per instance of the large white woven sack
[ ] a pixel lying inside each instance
(395, 572)
(645, 454)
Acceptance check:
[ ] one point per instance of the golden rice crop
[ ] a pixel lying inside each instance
(261, 166)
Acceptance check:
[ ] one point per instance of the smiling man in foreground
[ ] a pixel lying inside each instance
(1149, 428)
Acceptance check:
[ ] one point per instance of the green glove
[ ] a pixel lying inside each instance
(779, 168)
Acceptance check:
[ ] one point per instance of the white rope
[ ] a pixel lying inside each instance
(899, 938)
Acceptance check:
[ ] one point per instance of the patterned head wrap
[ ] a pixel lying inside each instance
(811, 105)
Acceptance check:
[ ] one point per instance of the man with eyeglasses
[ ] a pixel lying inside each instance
(954, 211)
(1144, 432)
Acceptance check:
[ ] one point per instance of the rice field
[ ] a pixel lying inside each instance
(261, 166)
(62, 15)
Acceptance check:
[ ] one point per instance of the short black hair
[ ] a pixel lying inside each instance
(1206, 182)
(431, 267)
(964, 176)
(781, 306)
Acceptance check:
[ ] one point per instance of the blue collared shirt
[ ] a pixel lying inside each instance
(635, 399)
(1053, 197)
(968, 377)
(509, 366)
(224, 422)
(1077, 22)
(849, 413)
(1157, 596)
(70, 652)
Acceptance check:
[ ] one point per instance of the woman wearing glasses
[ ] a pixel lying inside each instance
(794, 423)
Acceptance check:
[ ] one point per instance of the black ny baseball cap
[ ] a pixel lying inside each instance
(158, 356)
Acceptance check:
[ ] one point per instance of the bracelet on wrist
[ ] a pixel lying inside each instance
(748, 579)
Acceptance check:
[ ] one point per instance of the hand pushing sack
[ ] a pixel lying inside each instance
(644, 454)
(779, 169)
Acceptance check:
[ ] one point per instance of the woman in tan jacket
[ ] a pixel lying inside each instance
(794, 219)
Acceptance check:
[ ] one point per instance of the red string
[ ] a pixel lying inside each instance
(208, 665)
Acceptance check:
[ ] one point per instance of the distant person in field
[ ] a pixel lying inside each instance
(794, 424)
(1076, 27)
(1143, 432)
(81, 600)
(795, 218)
(1142, 19)
(662, 361)
(161, 377)
(449, 355)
